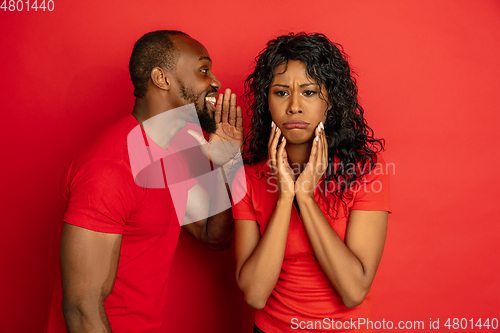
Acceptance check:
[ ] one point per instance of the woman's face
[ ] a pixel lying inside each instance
(295, 102)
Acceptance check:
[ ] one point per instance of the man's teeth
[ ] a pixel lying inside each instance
(211, 100)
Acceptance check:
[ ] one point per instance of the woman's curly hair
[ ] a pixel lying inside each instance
(351, 146)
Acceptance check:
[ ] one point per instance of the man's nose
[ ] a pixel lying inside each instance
(215, 83)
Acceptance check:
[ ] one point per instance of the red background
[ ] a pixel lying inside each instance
(428, 74)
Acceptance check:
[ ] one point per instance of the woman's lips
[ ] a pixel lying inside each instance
(295, 124)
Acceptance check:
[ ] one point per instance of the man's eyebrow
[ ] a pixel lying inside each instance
(205, 58)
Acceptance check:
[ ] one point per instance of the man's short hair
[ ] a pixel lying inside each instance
(154, 49)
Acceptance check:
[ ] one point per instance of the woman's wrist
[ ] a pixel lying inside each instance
(285, 199)
(305, 197)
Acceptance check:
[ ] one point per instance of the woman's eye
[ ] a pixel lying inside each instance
(309, 92)
(204, 70)
(281, 93)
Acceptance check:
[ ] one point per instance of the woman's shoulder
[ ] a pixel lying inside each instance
(377, 167)
(255, 170)
(250, 178)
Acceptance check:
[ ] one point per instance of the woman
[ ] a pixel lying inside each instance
(311, 224)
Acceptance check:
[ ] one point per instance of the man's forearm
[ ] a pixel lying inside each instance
(208, 215)
(220, 226)
(86, 318)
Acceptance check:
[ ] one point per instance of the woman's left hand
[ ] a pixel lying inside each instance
(315, 168)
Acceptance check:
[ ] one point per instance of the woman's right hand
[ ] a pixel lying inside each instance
(278, 163)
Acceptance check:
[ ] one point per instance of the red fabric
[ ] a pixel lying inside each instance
(303, 290)
(100, 194)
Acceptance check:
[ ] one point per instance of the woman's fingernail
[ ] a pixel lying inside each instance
(317, 137)
(272, 124)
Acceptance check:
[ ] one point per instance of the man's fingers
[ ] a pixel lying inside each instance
(226, 110)
(218, 109)
(239, 119)
(226, 103)
(232, 110)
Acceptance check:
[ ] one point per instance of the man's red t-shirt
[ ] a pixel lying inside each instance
(303, 298)
(99, 193)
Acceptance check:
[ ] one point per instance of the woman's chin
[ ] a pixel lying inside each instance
(299, 139)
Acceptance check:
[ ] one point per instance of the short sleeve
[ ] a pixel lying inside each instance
(100, 196)
(372, 190)
(243, 208)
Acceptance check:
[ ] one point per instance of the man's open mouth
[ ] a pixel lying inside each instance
(211, 100)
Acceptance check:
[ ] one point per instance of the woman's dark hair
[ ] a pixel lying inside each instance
(351, 146)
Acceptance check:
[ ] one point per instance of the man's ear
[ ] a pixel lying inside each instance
(160, 78)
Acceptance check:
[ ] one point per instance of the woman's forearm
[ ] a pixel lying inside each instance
(260, 272)
(344, 269)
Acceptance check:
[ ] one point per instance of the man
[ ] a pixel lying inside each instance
(119, 238)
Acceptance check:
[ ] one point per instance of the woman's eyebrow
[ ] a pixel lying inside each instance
(301, 86)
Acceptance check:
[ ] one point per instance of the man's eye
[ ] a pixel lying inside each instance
(204, 70)
(281, 93)
(309, 92)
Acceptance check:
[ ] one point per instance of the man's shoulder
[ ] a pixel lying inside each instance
(107, 152)
(111, 143)
(116, 133)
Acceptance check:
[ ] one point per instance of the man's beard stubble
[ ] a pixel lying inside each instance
(207, 123)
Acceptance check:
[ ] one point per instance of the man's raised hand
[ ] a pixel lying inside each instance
(226, 142)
